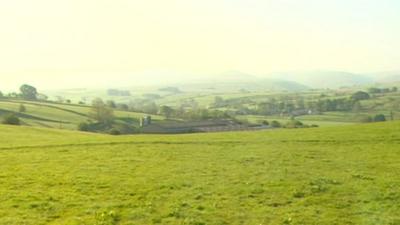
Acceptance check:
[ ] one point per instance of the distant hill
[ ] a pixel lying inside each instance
(235, 80)
(387, 77)
(325, 79)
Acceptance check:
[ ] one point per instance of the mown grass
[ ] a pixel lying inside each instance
(335, 175)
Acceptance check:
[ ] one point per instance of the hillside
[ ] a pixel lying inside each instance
(337, 175)
(62, 116)
(232, 81)
(326, 79)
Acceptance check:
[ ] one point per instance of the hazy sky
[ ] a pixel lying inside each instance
(55, 43)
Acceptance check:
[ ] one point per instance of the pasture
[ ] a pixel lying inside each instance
(62, 116)
(335, 175)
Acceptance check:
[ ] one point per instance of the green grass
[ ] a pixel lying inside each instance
(65, 116)
(333, 175)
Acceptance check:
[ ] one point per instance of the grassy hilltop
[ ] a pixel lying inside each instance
(336, 175)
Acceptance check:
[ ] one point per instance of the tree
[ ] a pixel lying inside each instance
(166, 111)
(374, 90)
(218, 101)
(13, 95)
(1, 94)
(22, 108)
(122, 106)
(379, 118)
(300, 103)
(360, 95)
(28, 92)
(150, 107)
(101, 112)
(11, 119)
(42, 97)
(111, 104)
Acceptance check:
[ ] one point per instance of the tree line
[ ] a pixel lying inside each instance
(26, 92)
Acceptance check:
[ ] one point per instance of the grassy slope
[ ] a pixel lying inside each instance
(337, 175)
(66, 116)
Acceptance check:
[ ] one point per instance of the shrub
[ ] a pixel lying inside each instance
(360, 95)
(22, 108)
(83, 126)
(11, 119)
(294, 124)
(114, 131)
(379, 118)
(265, 123)
(125, 128)
(275, 124)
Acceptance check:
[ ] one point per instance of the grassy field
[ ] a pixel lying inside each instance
(245, 104)
(320, 120)
(333, 175)
(65, 116)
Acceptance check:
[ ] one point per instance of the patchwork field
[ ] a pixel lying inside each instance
(334, 175)
(63, 116)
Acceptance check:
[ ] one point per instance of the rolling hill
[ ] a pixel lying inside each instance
(236, 80)
(326, 79)
(57, 115)
(337, 175)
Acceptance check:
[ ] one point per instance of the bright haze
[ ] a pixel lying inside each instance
(93, 43)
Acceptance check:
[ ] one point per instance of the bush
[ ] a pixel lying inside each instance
(294, 124)
(265, 123)
(83, 126)
(114, 131)
(379, 118)
(360, 95)
(11, 119)
(125, 128)
(275, 124)
(22, 108)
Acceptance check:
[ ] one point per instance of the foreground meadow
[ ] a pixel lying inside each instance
(336, 175)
